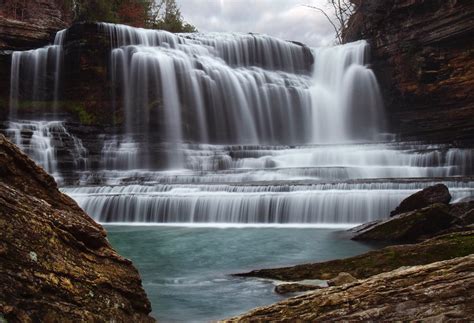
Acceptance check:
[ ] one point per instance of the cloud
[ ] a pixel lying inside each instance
(286, 19)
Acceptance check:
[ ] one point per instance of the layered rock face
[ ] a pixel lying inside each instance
(423, 58)
(57, 264)
(32, 24)
(438, 291)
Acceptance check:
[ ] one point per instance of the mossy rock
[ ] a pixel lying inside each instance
(410, 226)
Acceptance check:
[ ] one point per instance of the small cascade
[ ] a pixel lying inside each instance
(43, 141)
(120, 155)
(345, 96)
(35, 76)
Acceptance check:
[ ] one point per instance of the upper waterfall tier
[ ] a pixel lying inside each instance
(236, 49)
(217, 88)
(231, 88)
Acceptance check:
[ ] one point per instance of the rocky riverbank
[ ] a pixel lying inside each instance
(439, 291)
(57, 264)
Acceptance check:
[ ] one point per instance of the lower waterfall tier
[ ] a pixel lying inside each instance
(349, 203)
(325, 184)
(246, 184)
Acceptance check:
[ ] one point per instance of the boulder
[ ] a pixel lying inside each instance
(438, 193)
(56, 262)
(410, 226)
(342, 279)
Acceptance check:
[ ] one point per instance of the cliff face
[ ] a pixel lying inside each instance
(56, 261)
(423, 57)
(32, 24)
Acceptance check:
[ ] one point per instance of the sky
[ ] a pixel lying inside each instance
(286, 19)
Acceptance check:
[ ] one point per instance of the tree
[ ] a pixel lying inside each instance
(168, 17)
(95, 10)
(159, 14)
(133, 13)
(342, 11)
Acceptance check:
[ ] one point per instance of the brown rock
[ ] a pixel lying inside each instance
(410, 226)
(438, 193)
(436, 292)
(57, 264)
(31, 24)
(448, 246)
(421, 53)
(288, 288)
(342, 279)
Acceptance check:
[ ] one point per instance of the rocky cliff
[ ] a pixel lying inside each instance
(423, 57)
(57, 264)
(32, 24)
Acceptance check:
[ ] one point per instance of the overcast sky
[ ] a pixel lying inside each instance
(285, 19)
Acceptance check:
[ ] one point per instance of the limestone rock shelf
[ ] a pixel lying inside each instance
(56, 261)
(438, 291)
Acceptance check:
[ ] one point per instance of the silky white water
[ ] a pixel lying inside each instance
(233, 128)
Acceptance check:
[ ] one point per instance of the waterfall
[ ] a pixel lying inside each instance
(346, 101)
(30, 75)
(41, 140)
(232, 127)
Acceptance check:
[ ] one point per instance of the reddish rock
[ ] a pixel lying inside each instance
(57, 264)
(32, 24)
(422, 56)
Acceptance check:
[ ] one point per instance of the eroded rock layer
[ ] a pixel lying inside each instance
(423, 58)
(438, 291)
(57, 264)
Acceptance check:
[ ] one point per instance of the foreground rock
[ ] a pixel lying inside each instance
(57, 264)
(434, 194)
(444, 247)
(408, 227)
(342, 279)
(438, 291)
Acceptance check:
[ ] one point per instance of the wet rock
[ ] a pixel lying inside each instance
(422, 56)
(288, 288)
(463, 212)
(410, 226)
(57, 264)
(438, 193)
(439, 291)
(342, 279)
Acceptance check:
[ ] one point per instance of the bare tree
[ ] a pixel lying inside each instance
(339, 19)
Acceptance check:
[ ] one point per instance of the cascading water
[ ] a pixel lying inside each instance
(42, 140)
(246, 128)
(36, 82)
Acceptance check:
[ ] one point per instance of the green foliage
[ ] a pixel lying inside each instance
(95, 10)
(169, 18)
(79, 110)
